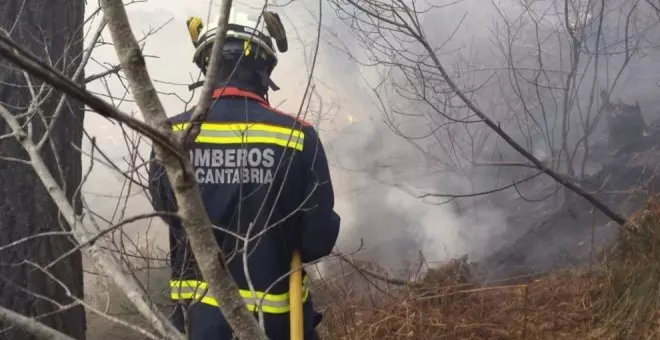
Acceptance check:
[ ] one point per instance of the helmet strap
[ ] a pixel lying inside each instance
(267, 81)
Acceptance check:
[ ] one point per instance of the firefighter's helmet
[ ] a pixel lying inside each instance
(247, 38)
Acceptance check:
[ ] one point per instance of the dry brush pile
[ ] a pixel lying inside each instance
(618, 299)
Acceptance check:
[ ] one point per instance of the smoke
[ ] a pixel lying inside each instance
(379, 172)
(387, 152)
(382, 163)
(379, 176)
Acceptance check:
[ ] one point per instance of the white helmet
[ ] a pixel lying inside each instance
(255, 38)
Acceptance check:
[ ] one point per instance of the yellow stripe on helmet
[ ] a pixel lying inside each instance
(247, 50)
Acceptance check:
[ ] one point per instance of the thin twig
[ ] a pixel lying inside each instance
(38, 68)
(127, 284)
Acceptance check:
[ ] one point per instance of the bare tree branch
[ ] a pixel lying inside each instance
(31, 325)
(195, 221)
(127, 283)
(402, 18)
(112, 70)
(495, 127)
(36, 67)
(211, 79)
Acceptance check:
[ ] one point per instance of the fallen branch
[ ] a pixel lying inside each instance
(359, 268)
(496, 127)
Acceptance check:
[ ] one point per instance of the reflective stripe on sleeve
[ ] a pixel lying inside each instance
(269, 303)
(237, 133)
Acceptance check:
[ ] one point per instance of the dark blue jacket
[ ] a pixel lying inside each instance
(262, 168)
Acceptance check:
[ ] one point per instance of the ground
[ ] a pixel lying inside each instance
(616, 298)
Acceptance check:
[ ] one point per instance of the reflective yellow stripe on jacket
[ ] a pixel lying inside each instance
(238, 133)
(269, 303)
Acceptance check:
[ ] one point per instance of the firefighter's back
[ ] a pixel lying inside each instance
(246, 159)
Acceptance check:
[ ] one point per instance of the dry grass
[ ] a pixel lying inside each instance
(618, 300)
(558, 307)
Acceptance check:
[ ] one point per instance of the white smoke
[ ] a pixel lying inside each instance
(377, 173)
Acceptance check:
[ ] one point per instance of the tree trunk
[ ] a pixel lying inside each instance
(52, 30)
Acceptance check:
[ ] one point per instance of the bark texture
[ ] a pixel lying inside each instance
(52, 30)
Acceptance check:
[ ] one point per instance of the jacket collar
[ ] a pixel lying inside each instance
(235, 88)
(233, 91)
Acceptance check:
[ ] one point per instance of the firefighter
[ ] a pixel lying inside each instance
(263, 176)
